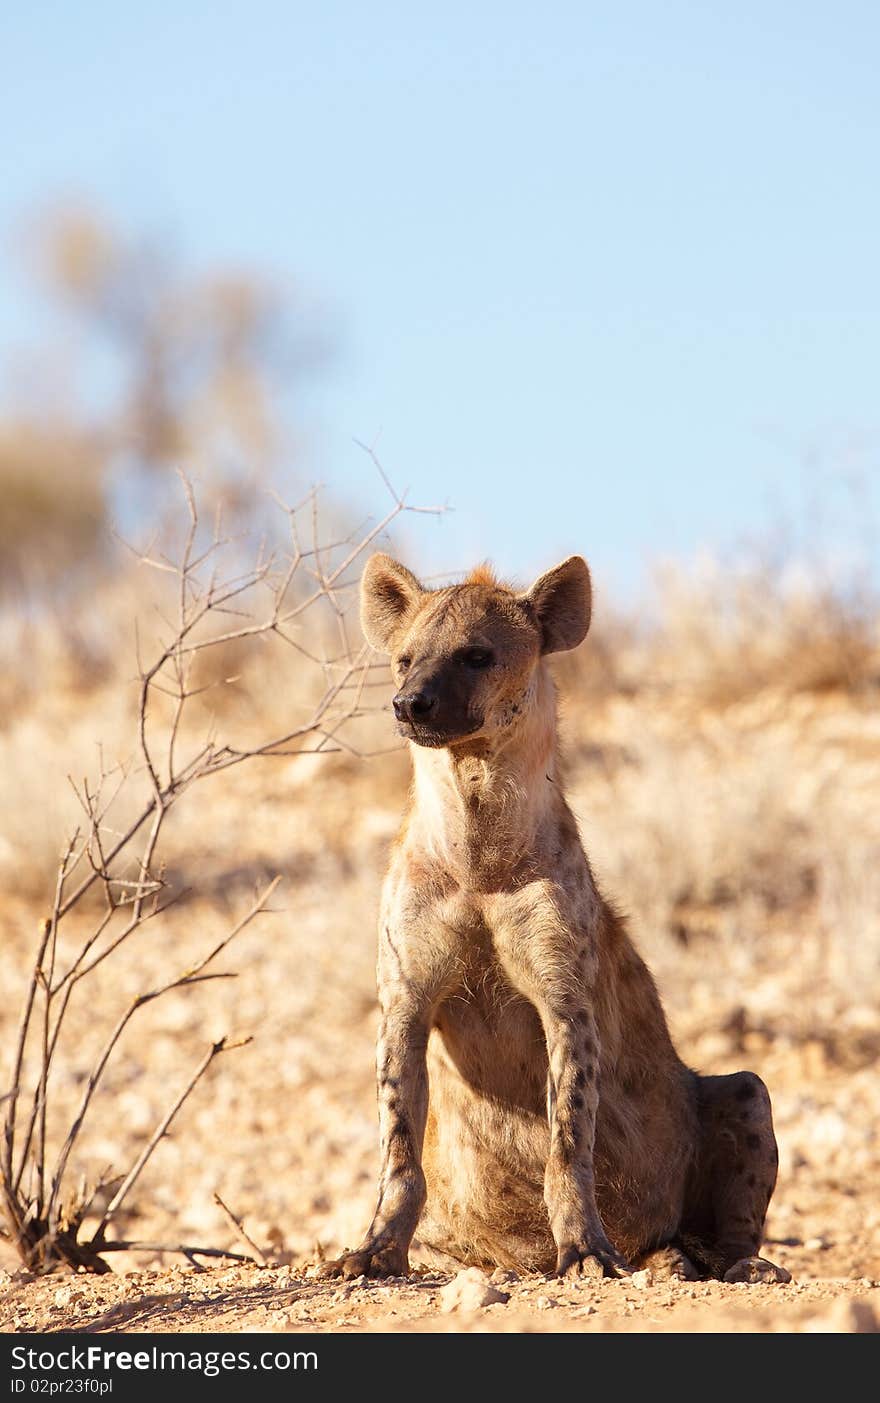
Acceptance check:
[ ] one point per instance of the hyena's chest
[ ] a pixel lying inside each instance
(490, 1035)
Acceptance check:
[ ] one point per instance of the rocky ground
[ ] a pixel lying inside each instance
(250, 1298)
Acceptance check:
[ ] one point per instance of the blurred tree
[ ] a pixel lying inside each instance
(182, 370)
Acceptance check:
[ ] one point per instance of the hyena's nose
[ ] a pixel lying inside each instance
(414, 706)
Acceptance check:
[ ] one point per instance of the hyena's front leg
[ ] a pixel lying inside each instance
(549, 956)
(582, 1247)
(403, 1108)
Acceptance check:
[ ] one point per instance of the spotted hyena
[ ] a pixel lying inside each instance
(534, 1113)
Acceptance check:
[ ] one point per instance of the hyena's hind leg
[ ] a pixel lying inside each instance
(734, 1178)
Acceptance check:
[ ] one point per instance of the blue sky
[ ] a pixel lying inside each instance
(604, 276)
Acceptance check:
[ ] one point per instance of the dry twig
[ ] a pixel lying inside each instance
(240, 1229)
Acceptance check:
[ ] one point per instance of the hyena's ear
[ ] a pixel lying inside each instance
(561, 601)
(389, 592)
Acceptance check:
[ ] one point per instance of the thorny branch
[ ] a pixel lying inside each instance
(305, 583)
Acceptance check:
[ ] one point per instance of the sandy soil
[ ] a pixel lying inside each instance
(249, 1298)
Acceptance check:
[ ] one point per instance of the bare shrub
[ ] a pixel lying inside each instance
(111, 882)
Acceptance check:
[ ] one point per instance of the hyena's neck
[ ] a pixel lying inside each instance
(482, 806)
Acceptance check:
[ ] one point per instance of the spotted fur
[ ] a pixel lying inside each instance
(533, 1110)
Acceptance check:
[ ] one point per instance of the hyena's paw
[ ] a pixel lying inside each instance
(386, 1260)
(598, 1260)
(670, 1264)
(757, 1271)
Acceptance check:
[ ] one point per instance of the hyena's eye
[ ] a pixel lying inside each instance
(404, 663)
(477, 657)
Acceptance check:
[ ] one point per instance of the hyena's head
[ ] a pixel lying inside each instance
(465, 658)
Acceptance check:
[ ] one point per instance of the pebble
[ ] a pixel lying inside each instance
(471, 1290)
(67, 1296)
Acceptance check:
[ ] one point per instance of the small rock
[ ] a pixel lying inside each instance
(815, 1244)
(501, 1276)
(69, 1296)
(470, 1290)
(642, 1279)
(546, 1302)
